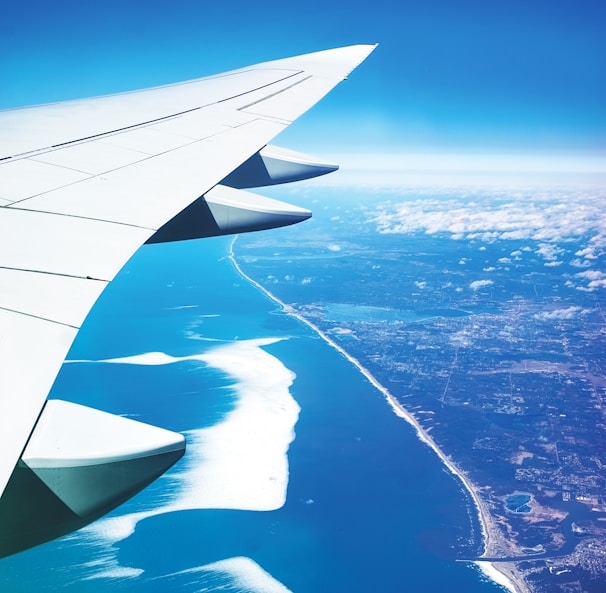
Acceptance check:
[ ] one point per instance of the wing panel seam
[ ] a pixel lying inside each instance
(38, 317)
(28, 210)
(62, 274)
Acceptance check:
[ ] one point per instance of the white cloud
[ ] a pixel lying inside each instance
(334, 247)
(420, 285)
(588, 253)
(548, 251)
(545, 217)
(591, 275)
(477, 284)
(557, 314)
(580, 263)
(596, 279)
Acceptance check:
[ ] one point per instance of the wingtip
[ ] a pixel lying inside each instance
(362, 51)
(337, 62)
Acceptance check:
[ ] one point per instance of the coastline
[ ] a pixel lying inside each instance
(502, 576)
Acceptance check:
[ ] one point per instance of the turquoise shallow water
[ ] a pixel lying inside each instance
(368, 506)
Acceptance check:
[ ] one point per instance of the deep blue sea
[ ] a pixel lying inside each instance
(355, 503)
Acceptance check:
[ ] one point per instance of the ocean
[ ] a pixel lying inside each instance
(298, 475)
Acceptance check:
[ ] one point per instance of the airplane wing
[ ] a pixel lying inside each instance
(83, 184)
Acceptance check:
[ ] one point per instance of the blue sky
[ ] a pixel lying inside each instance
(468, 76)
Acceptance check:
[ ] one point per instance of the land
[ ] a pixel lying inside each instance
(532, 423)
(507, 380)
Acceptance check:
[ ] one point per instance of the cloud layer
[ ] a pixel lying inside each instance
(563, 217)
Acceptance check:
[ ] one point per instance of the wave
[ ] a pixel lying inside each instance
(241, 573)
(239, 463)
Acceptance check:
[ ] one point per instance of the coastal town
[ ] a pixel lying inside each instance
(529, 424)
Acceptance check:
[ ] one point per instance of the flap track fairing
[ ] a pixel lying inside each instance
(274, 165)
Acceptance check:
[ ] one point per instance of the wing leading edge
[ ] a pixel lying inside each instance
(84, 183)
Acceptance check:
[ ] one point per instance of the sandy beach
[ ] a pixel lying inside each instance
(501, 575)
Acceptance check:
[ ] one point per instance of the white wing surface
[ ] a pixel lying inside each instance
(84, 183)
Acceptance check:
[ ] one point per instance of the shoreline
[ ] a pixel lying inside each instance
(503, 578)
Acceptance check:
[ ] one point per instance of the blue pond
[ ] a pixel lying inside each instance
(517, 503)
